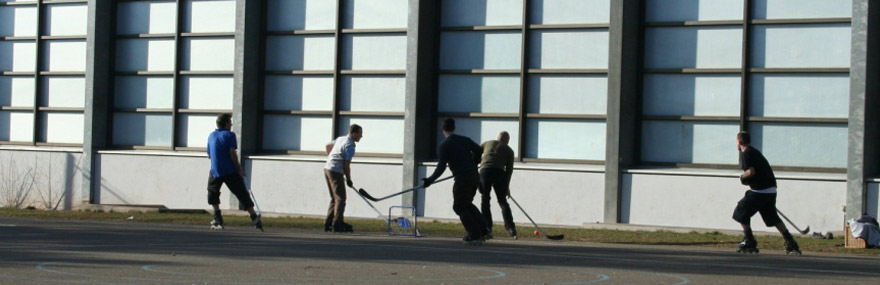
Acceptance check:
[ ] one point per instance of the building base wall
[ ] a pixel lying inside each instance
(40, 179)
(708, 202)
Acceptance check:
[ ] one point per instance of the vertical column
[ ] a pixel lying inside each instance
(622, 148)
(247, 99)
(99, 86)
(863, 160)
(421, 67)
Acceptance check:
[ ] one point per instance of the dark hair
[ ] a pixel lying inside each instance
(355, 128)
(448, 125)
(223, 119)
(744, 137)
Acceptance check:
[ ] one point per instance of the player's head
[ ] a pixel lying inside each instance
(224, 121)
(743, 139)
(504, 137)
(355, 132)
(448, 125)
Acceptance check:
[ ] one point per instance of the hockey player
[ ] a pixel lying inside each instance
(339, 154)
(462, 155)
(761, 197)
(225, 168)
(496, 168)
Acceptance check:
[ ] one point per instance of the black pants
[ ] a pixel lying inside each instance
(235, 185)
(463, 192)
(489, 178)
(753, 203)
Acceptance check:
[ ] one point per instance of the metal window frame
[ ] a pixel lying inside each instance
(176, 74)
(336, 113)
(745, 72)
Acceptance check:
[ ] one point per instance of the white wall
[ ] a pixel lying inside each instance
(174, 181)
(54, 175)
(299, 187)
(708, 202)
(550, 197)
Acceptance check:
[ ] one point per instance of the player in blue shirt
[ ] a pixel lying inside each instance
(225, 168)
(337, 172)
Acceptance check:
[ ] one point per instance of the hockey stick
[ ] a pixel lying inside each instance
(247, 184)
(368, 203)
(803, 232)
(556, 237)
(374, 199)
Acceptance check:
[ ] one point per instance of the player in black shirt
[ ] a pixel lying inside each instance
(761, 197)
(462, 155)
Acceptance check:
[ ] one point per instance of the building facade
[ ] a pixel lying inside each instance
(619, 111)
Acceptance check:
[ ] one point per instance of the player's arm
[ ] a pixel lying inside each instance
(233, 154)
(328, 147)
(748, 174)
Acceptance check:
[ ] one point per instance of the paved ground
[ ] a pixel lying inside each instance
(44, 251)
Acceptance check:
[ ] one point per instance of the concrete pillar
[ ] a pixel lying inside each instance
(624, 62)
(99, 91)
(247, 73)
(863, 160)
(421, 67)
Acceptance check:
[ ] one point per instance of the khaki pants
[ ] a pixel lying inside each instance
(336, 186)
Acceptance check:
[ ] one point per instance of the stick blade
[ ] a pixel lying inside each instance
(556, 237)
(805, 231)
(366, 195)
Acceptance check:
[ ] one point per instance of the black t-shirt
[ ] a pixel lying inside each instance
(461, 153)
(763, 177)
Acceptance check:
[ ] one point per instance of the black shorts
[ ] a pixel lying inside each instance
(756, 202)
(235, 184)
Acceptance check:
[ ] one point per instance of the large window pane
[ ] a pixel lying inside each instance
(64, 55)
(693, 47)
(568, 49)
(193, 129)
(16, 91)
(567, 94)
(145, 55)
(456, 13)
(801, 144)
(372, 93)
(478, 50)
(300, 53)
(550, 12)
(370, 52)
(208, 54)
(282, 132)
(692, 10)
(144, 92)
(61, 128)
(143, 17)
(142, 129)
(289, 15)
(63, 91)
(209, 16)
(18, 21)
(801, 46)
(478, 94)
(565, 139)
(18, 56)
(481, 130)
(66, 20)
(299, 93)
(206, 92)
(801, 9)
(381, 135)
(691, 95)
(375, 14)
(800, 95)
(689, 142)
(16, 126)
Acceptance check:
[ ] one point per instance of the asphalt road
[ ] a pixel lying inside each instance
(78, 252)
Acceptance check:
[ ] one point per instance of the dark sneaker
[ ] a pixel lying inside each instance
(791, 247)
(328, 227)
(488, 235)
(343, 228)
(512, 232)
(468, 240)
(257, 222)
